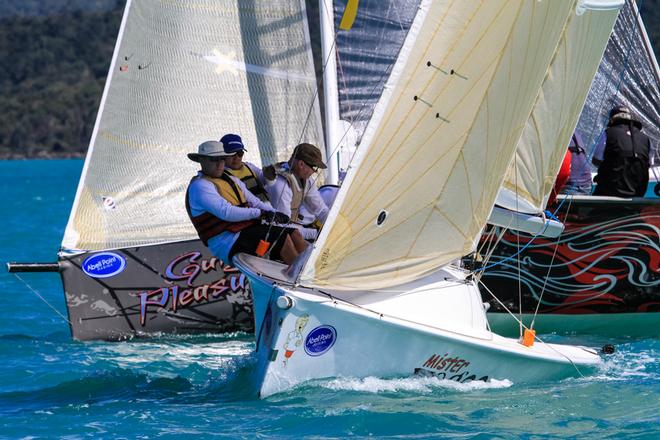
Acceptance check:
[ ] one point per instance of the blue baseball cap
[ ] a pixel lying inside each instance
(232, 143)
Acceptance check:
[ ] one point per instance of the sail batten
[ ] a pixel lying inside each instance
(423, 183)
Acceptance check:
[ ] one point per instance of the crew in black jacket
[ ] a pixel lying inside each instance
(624, 170)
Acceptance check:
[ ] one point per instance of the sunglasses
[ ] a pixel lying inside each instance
(240, 153)
(315, 169)
(216, 158)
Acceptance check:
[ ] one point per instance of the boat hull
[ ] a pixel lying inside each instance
(311, 335)
(153, 290)
(602, 276)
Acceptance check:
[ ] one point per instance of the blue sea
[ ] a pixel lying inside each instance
(186, 387)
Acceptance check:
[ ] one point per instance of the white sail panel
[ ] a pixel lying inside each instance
(542, 147)
(431, 166)
(182, 73)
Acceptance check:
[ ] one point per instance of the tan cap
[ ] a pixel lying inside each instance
(309, 154)
(209, 149)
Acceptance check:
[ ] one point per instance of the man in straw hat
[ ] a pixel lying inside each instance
(290, 186)
(228, 217)
(622, 157)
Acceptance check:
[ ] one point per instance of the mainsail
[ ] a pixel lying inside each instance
(184, 72)
(627, 75)
(366, 54)
(442, 136)
(542, 147)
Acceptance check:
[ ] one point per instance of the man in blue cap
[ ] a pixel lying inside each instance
(248, 173)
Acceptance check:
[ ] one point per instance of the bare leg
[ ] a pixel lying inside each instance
(288, 253)
(298, 241)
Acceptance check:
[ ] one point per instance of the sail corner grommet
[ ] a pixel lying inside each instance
(382, 216)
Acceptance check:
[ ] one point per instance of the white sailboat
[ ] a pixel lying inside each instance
(381, 293)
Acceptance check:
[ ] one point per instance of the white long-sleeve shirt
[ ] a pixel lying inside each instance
(203, 197)
(280, 196)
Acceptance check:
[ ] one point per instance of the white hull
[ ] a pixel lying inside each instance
(437, 327)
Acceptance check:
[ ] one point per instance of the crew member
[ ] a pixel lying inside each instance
(250, 174)
(290, 186)
(579, 180)
(622, 157)
(227, 216)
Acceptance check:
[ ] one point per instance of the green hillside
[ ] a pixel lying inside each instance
(53, 73)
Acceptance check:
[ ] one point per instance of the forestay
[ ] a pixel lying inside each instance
(542, 147)
(436, 151)
(182, 73)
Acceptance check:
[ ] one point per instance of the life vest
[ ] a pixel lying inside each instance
(208, 225)
(625, 168)
(247, 176)
(296, 190)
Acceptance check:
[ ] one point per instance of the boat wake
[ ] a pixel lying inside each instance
(423, 385)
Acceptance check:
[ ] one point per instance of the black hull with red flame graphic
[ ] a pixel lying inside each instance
(606, 261)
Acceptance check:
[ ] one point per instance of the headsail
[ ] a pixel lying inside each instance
(542, 147)
(182, 73)
(443, 134)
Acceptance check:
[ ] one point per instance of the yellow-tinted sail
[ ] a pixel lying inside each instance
(549, 128)
(436, 151)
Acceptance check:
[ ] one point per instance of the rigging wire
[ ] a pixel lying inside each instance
(43, 299)
(547, 275)
(506, 309)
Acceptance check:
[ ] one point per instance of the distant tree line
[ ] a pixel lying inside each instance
(51, 81)
(34, 8)
(54, 67)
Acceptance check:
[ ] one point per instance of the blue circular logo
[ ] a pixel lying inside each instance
(320, 340)
(103, 265)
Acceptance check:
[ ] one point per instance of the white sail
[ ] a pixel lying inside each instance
(542, 147)
(182, 73)
(442, 136)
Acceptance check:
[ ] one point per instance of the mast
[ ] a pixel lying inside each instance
(330, 93)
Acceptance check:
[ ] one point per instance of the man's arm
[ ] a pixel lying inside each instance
(252, 200)
(204, 197)
(315, 203)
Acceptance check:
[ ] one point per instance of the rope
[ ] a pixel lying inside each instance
(43, 299)
(506, 309)
(547, 275)
(524, 247)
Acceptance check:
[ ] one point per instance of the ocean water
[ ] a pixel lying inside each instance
(185, 387)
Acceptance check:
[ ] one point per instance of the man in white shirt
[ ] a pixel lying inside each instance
(228, 217)
(290, 186)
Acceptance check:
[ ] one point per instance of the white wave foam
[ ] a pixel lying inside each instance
(209, 355)
(414, 384)
(628, 365)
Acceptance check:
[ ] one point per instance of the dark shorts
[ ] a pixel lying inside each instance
(248, 240)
